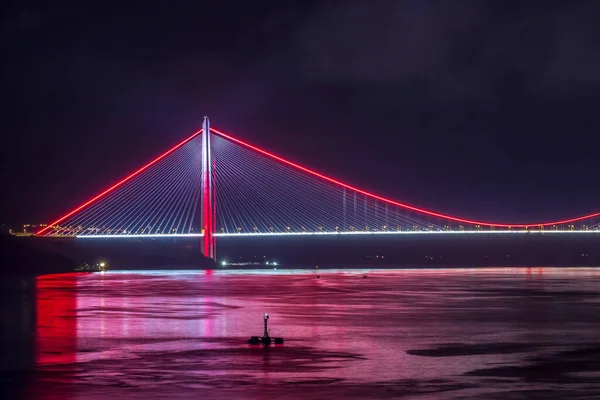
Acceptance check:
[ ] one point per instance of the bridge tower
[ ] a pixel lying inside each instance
(208, 200)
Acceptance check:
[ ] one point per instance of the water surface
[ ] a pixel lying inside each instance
(441, 334)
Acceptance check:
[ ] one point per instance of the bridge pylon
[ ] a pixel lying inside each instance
(208, 198)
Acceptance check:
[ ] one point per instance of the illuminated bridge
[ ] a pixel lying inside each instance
(213, 185)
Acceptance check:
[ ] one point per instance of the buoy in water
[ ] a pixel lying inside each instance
(265, 339)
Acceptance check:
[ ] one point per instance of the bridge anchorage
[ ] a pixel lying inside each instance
(213, 185)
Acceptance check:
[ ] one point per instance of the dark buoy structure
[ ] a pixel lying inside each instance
(265, 339)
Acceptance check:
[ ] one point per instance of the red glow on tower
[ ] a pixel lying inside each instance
(207, 194)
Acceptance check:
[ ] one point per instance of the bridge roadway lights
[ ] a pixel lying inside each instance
(265, 340)
(385, 233)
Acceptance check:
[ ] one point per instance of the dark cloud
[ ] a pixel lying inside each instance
(23, 21)
(477, 100)
(456, 50)
(576, 45)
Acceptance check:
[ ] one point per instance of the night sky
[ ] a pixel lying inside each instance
(481, 109)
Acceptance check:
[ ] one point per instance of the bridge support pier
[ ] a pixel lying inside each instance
(208, 205)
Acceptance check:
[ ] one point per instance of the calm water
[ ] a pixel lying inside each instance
(440, 334)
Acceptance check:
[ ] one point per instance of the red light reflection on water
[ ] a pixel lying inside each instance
(56, 320)
(134, 334)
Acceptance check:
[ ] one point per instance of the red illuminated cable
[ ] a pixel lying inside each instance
(412, 208)
(116, 185)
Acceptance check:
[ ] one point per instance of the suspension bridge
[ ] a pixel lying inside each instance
(213, 185)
